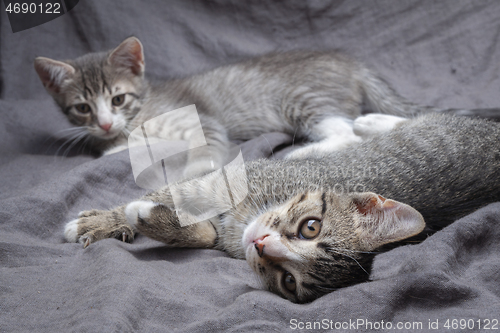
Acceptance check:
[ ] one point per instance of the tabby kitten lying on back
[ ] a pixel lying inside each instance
(308, 227)
(310, 95)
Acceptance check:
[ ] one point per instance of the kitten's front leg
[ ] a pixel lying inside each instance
(151, 216)
(94, 225)
(159, 222)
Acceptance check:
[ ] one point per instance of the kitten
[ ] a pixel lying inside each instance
(308, 227)
(313, 96)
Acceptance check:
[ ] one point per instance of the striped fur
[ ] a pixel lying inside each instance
(313, 96)
(444, 167)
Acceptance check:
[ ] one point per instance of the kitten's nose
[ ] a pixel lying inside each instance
(274, 249)
(259, 246)
(106, 127)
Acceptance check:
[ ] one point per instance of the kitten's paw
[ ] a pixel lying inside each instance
(375, 123)
(71, 231)
(94, 225)
(139, 212)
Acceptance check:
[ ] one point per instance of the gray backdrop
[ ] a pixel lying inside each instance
(443, 53)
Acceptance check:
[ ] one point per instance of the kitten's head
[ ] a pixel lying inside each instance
(318, 242)
(99, 91)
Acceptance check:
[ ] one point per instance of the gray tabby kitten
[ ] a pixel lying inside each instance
(308, 227)
(313, 96)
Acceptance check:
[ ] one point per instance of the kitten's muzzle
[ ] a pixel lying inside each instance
(271, 248)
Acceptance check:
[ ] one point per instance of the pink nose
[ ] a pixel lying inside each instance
(260, 249)
(106, 127)
(259, 245)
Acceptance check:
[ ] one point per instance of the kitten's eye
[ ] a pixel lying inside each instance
(83, 108)
(310, 228)
(289, 282)
(118, 100)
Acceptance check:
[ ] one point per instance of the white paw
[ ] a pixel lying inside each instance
(138, 210)
(375, 123)
(324, 147)
(71, 231)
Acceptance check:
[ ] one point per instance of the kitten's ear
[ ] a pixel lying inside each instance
(128, 55)
(382, 221)
(53, 73)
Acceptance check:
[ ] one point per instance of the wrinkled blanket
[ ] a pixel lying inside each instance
(443, 53)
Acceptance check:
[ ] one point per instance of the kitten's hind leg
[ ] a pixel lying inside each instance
(159, 222)
(332, 133)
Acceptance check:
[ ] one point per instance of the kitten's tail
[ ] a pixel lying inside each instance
(382, 98)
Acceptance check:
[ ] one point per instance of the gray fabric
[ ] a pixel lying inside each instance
(443, 53)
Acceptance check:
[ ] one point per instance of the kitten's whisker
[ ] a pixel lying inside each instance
(71, 136)
(353, 251)
(357, 262)
(272, 150)
(68, 140)
(88, 143)
(76, 128)
(50, 146)
(326, 289)
(70, 145)
(84, 144)
(126, 133)
(75, 141)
